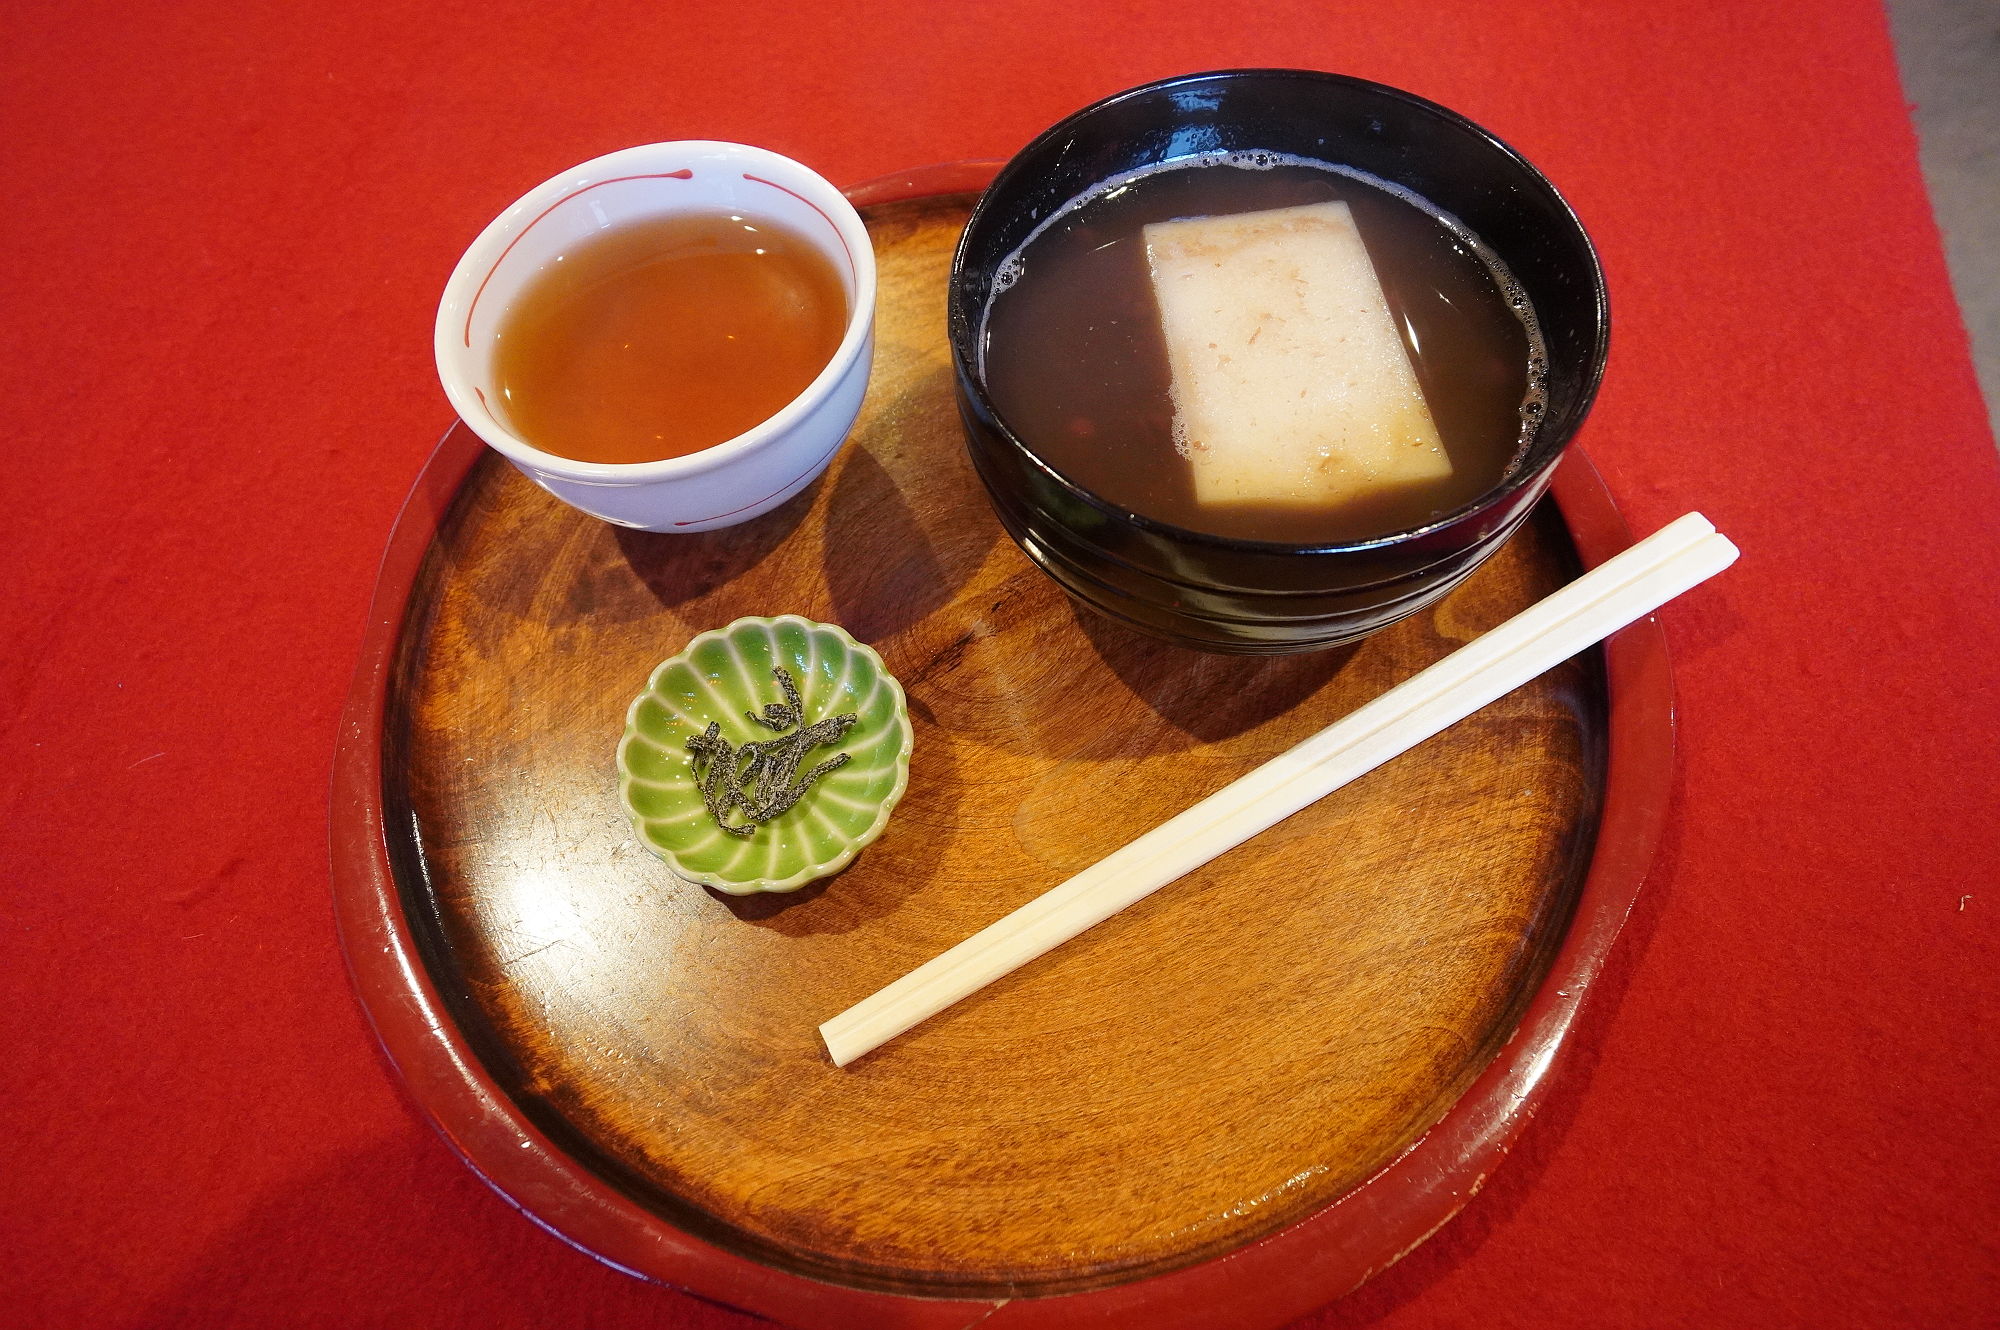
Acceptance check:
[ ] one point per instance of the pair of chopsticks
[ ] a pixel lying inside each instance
(1617, 592)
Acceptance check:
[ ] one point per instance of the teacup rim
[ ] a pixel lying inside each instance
(489, 246)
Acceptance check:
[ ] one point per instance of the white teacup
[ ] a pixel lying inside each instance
(718, 486)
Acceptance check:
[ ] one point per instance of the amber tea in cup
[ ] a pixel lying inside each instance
(667, 335)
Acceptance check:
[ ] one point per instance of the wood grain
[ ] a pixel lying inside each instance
(1224, 1058)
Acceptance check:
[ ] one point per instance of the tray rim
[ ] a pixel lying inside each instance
(1267, 1282)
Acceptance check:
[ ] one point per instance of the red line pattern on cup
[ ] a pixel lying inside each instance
(853, 273)
(683, 174)
(809, 471)
(481, 392)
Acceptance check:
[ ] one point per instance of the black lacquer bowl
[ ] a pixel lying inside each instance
(1226, 594)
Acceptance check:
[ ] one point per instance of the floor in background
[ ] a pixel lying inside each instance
(1949, 51)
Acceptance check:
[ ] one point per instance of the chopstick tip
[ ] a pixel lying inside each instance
(840, 1050)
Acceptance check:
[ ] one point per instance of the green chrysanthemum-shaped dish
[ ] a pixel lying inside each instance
(725, 673)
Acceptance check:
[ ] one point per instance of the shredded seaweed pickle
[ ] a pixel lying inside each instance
(761, 779)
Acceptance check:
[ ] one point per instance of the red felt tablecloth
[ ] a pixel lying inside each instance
(225, 229)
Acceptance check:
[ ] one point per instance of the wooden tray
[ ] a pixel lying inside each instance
(1228, 1105)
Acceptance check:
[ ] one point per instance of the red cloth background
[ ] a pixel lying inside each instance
(225, 231)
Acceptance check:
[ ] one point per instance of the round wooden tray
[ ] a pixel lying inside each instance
(1229, 1104)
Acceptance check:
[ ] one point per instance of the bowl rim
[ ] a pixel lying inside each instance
(961, 334)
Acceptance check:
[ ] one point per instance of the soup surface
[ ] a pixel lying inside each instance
(668, 336)
(1074, 357)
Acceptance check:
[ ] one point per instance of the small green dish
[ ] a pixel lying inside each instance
(726, 673)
